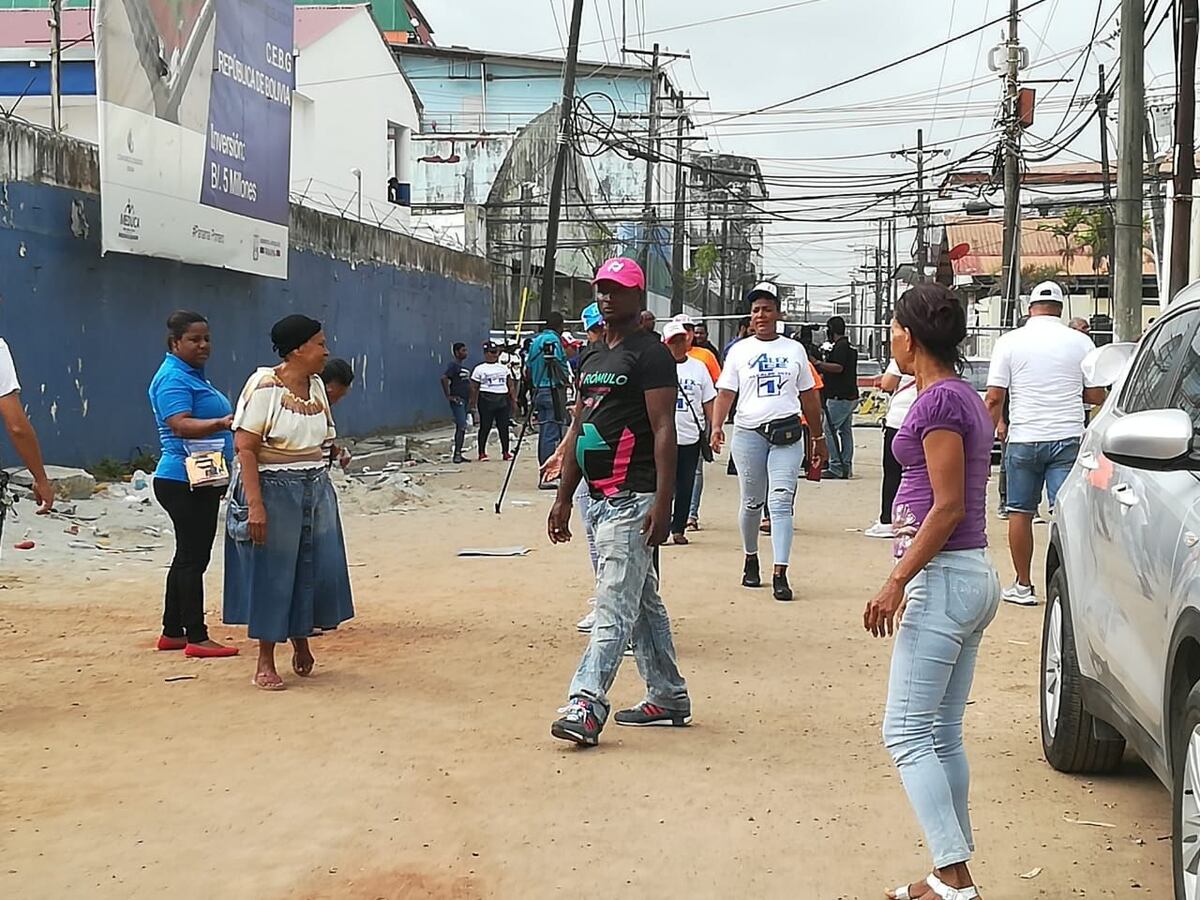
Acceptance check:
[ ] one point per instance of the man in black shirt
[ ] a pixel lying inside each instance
(456, 385)
(840, 371)
(622, 442)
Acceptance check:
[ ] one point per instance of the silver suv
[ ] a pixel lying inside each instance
(1121, 642)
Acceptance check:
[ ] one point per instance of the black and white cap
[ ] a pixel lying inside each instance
(1046, 292)
(763, 288)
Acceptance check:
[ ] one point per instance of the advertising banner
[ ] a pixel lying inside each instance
(195, 103)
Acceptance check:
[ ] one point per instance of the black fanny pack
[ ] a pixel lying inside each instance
(782, 432)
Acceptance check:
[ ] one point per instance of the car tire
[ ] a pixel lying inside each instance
(1069, 740)
(1185, 797)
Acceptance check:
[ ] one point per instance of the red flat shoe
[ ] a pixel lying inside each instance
(209, 652)
(170, 643)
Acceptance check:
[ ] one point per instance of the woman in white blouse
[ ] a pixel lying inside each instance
(285, 558)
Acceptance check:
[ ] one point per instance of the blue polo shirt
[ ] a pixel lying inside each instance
(178, 388)
(539, 377)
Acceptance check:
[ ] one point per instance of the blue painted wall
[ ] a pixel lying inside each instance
(87, 332)
(20, 78)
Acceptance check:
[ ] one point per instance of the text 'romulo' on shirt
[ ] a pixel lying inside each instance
(615, 448)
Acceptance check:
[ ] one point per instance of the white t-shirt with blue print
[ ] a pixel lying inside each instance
(695, 389)
(768, 376)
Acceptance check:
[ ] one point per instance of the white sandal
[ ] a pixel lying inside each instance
(901, 893)
(945, 892)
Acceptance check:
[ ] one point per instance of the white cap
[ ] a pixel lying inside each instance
(764, 287)
(1046, 292)
(673, 329)
(683, 319)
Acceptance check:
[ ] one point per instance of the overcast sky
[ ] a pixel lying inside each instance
(792, 48)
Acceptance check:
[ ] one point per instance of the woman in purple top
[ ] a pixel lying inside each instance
(943, 591)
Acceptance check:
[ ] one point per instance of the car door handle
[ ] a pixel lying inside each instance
(1125, 495)
(1088, 461)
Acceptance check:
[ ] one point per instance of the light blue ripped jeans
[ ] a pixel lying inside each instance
(583, 501)
(627, 605)
(767, 473)
(950, 603)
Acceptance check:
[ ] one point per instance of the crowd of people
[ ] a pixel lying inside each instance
(652, 405)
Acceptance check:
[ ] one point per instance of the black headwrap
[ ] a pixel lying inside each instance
(292, 332)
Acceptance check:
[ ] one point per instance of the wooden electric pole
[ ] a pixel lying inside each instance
(546, 304)
(677, 229)
(1127, 283)
(1010, 279)
(1102, 100)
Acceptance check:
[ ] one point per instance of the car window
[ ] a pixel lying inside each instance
(869, 367)
(976, 372)
(1154, 371)
(1186, 395)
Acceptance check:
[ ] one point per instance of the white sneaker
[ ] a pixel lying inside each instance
(880, 530)
(587, 622)
(1020, 594)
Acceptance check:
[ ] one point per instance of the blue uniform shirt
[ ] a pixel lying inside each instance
(539, 377)
(178, 388)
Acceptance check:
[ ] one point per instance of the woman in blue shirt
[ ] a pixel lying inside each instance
(192, 416)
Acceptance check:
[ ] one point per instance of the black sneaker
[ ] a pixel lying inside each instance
(782, 589)
(646, 713)
(750, 576)
(578, 724)
(459, 460)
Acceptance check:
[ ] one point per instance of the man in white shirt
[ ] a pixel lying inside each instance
(1038, 367)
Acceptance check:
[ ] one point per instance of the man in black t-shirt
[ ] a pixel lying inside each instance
(456, 385)
(840, 372)
(623, 443)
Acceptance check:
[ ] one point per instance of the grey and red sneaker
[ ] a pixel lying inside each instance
(578, 724)
(646, 713)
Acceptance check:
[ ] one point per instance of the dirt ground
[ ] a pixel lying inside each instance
(417, 763)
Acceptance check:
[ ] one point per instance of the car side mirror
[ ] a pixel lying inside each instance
(1106, 365)
(1156, 439)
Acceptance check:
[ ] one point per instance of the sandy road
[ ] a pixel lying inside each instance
(418, 762)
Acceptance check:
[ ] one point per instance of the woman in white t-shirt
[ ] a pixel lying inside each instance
(494, 399)
(285, 559)
(693, 421)
(770, 378)
(903, 389)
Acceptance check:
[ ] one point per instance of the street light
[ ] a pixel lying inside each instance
(357, 173)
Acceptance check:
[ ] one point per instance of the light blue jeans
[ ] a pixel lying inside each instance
(583, 502)
(697, 490)
(628, 605)
(767, 474)
(950, 603)
(839, 435)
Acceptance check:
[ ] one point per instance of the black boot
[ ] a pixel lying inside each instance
(750, 576)
(781, 588)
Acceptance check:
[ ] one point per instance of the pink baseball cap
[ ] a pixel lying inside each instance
(623, 271)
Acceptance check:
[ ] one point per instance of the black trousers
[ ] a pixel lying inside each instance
(494, 409)
(194, 516)
(686, 461)
(891, 477)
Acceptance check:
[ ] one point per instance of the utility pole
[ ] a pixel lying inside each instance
(1157, 207)
(56, 65)
(878, 290)
(725, 304)
(1127, 299)
(1011, 271)
(546, 304)
(1185, 150)
(1102, 110)
(651, 153)
(679, 225)
(526, 249)
(807, 310)
(922, 250)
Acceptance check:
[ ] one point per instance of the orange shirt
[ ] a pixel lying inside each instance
(820, 385)
(710, 361)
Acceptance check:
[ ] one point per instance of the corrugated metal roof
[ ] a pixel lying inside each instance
(1039, 247)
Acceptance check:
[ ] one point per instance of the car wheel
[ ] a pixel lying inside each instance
(1069, 740)
(1185, 792)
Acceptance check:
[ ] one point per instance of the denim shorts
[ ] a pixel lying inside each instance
(1027, 466)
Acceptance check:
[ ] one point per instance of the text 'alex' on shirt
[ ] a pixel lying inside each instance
(1041, 366)
(768, 376)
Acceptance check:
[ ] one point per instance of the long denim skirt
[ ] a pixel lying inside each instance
(298, 579)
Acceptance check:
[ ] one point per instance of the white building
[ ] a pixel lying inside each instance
(353, 111)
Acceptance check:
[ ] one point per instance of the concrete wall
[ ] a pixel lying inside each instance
(87, 331)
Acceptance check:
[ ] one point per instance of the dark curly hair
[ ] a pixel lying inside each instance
(936, 319)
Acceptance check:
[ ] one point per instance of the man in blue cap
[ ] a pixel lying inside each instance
(548, 376)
